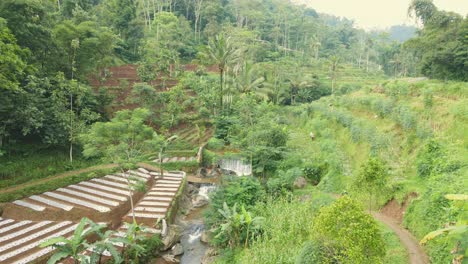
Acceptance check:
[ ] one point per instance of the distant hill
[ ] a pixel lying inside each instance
(402, 33)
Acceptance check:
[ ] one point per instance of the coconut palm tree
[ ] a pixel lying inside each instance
(222, 51)
(249, 81)
(295, 84)
(74, 246)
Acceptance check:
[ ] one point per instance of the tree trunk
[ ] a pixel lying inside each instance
(367, 62)
(71, 126)
(161, 171)
(221, 80)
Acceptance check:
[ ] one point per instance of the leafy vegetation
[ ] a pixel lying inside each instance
(305, 98)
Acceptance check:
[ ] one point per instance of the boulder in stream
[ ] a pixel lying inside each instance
(172, 237)
(205, 237)
(177, 249)
(170, 258)
(200, 201)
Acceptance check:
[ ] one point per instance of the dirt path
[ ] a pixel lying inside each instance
(58, 176)
(415, 252)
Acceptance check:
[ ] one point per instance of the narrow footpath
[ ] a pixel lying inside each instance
(415, 252)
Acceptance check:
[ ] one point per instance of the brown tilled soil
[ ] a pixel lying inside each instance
(112, 218)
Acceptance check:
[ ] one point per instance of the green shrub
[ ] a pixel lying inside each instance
(209, 158)
(283, 182)
(433, 159)
(428, 98)
(314, 252)
(314, 172)
(215, 144)
(244, 191)
(354, 234)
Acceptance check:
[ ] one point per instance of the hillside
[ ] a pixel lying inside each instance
(417, 127)
(233, 131)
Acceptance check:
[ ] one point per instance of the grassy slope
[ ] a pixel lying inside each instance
(447, 119)
(34, 165)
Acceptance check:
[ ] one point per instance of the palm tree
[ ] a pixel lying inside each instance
(222, 51)
(72, 247)
(248, 81)
(295, 84)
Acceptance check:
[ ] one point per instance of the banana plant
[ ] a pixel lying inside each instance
(75, 245)
(457, 231)
(104, 244)
(131, 241)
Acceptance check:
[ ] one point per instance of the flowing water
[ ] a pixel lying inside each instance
(240, 167)
(194, 249)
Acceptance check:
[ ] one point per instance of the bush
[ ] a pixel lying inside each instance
(243, 191)
(314, 252)
(215, 144)
(283, 182)
(433, 159)
(314, 172)
(355, 234)
(209, 158)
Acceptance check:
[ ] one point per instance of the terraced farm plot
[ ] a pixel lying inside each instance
(102, 199)
(99, 199)
(20, 240)
(176, 159)
(157, 201)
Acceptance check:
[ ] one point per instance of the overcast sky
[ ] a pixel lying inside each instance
(379, 14)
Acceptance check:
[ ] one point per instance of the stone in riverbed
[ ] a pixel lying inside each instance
(170, 258)
(200, 201)
(205, 237)
(177, 249)
(210, 256)
(173, 236)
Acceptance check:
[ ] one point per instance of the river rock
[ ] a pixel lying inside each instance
(205, 237)
(210, 256)
(164, 228)
(173, 236)
(170, 258)
(300, 183)
(177, 249)
(200, 201)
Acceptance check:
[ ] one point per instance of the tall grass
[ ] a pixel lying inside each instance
(288, 225)
(22, 167)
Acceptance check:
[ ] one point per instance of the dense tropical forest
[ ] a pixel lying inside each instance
(355, 141)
